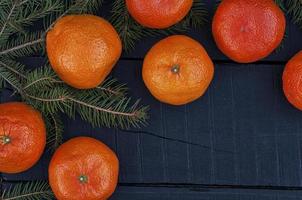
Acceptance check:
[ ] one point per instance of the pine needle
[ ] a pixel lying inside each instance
(106, 105)
(33, 11)
(43, 77)
(25, 45)
(33, 190)
(73, 7)
(131, 32)
(294, 9)
(55, 129)
(109, 112)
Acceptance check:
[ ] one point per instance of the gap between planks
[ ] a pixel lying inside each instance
(190, 186)
(211, 186)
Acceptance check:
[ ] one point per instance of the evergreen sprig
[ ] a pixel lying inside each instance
(131, 32)
(106, 105)
(24, 45)
(55, 128)
(294, 8)
(33, 190)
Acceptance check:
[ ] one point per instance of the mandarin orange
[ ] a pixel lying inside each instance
(248, 30)
(83, 49)
(158, 14)
(83, 168)
(22, 137)
(177, 70)
(292, 81)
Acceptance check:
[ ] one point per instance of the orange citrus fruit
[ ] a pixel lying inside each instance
(83, 168)
(292, 81)
(22, 137)
(177, 70)
(83, 49)
(158, 14)
(248, 30)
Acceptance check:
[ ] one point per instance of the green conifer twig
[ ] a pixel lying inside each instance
(131, 32)
(41, 87)
(59, 97)
(31, 190)
(55, 131)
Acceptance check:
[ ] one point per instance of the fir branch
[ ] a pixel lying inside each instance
(97, 110)
(281, 4)
(109, 112)
(196, 18)
(73, 7)
(14, 67)
(50, 21)
(54, 126)
(104, 105)
(294, 8)
(6, 20)
(282, 44)
(9, 75)
(35, 10)
(32, 43)
(111, 87)
(43, 77)
(97, 106)
(26, 45)
(23, 2)
(10, 79)
(84, 6)
(131, 32)
(32, 190)
(50, 100)
(2, 84)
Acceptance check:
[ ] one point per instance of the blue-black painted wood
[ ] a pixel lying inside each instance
(150, 193)
(186, 192)
(245, 132)
(243, 129)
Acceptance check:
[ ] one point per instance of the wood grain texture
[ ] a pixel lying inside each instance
(241, 140)
(193, 193)
(241, 132)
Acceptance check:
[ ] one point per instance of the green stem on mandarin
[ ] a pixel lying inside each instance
(175, 69)
(5, 139)
(83, 179)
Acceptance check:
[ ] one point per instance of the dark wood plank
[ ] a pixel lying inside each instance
(237, 124)
(203, 193)
(200, 192)
(241, 132)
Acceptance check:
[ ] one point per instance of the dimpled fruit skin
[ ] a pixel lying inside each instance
(158, 14)
(248, 30)
(83, 49)
(83, 156)
(292, 81)
(196, 70)
(26, 129)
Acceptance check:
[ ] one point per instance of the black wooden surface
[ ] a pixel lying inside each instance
(241, 140)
